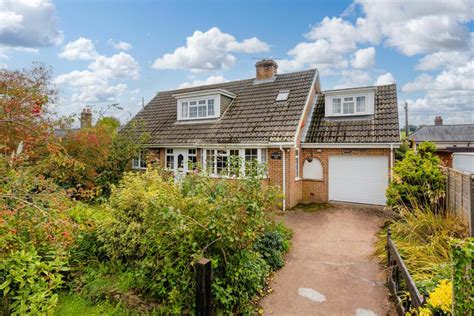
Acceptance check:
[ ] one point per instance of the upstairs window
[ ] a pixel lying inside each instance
(197, 109)
(350, 103)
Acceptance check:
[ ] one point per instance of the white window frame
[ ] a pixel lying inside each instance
(139, 161)
(283, 95)
(369, 96)
(261, 158)
(169, 153)
(185, 114)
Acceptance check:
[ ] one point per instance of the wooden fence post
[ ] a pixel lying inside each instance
(203, 287)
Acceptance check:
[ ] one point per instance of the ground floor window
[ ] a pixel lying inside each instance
(169, 158)
(232, 162)
(139, 161)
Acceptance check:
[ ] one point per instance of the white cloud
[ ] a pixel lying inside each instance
(102, 81)
(415, 27)
(353, 78)
(208, 81)
(419, 84)
(364, 58)
(25, 23)
(80, 49)
(319, 54)
(118, 65)
(98, 93)
(440, 60)
(120, 45)
(210, 50)
(450, 93)
(385, 79)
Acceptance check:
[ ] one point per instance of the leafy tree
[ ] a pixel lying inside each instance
(26, 118)
(417, 179)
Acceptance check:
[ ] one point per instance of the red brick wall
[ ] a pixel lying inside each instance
(317, 190)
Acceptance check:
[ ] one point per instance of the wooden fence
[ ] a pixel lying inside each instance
(460, 195)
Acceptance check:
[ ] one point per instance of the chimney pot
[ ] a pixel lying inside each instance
(266, 69)
(438, 121)
(86, 118)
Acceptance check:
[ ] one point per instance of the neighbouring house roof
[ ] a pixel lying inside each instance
(444, 133)
(252, 116)
(381, 127)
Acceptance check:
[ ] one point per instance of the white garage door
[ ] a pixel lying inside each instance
(359, 179)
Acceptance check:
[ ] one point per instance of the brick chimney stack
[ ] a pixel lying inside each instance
(266, 69)
(86, 118)
(438, 121)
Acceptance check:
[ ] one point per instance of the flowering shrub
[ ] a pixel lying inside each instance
(441, 299)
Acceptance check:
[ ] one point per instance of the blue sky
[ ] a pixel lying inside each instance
(104, 52)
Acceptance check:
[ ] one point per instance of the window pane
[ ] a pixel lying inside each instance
(210, 107)
(192, 151)
(192, 103)
(202, 111)
(210, 161)
(170, 162)
(348, 99)
(360, 106)
(336, 105)
(184, 109)
(234, 162)
(193, 112)
(250, 154)
(169, 150)
(222, 162)
(348, 107)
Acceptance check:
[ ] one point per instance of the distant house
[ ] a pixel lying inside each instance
(449, 139)
(318, 145)
(85, 120)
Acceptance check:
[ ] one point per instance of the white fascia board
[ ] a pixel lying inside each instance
(220, 145)
(349, 145)
(204, 93)
(349, 91)
(306, 104)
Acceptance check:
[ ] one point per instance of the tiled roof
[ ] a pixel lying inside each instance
(444, 133)
(253, 116)
(381, 127)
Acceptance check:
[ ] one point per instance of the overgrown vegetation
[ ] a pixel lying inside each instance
(74, 219)
(424, 230)
(417, 179)
(159, 230)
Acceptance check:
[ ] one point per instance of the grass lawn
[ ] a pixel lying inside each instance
(72, 305)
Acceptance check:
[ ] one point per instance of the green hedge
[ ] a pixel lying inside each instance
(463, 278)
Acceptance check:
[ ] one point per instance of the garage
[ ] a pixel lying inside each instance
(358, 179)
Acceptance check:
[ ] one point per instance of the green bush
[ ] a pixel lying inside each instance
(417, 180)
(272, 246)
(158, 230)
(29, 282)
(463, 278)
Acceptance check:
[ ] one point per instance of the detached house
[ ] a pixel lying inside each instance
(318, 145)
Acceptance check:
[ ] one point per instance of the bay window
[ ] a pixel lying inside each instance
(229, 162)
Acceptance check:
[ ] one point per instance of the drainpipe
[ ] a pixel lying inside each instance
(284, 177)
(391, 161)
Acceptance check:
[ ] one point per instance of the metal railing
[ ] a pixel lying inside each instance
(400, 281)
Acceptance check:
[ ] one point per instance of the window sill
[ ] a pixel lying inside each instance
(138, 168)
(298, 179)
(314, 180)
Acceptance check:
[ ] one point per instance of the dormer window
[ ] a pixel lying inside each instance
(350, 102)
(201, 104)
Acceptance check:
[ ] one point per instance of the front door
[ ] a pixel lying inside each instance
(181, 159)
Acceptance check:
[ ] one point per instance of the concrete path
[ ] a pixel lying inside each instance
(329, 270)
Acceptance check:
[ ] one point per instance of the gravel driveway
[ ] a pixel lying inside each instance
(329, 270)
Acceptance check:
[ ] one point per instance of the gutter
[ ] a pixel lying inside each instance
(350, 145)
(284, 177)
(222, 145)
(391, 161)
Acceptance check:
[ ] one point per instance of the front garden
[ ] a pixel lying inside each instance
(82, 234)
(431, 239)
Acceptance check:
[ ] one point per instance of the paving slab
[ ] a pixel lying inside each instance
(329, 269)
